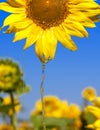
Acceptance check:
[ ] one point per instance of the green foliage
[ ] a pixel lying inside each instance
(51, 122)
(87, 118)
(23, 90)
(5, 108)
(90, 118)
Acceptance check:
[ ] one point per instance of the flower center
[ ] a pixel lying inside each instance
(47, 13)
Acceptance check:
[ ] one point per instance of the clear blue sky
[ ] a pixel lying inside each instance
(66, 76)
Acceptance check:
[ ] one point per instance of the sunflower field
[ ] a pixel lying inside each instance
(59, 114)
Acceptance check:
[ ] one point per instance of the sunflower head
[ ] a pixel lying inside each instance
(45, 22)
(51, 107)
(47, 13)
(89, 93)
(50, 103)
(10, 75)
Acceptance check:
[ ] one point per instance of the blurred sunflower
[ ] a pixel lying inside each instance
(89, 93)
(51, 106)
(96, 102)
(54, 107)
(10, 75)
(59, 109)
(17, 107)
(25, 126)
(94, 126)
(95, 111)
(4, 126)
(44, 22)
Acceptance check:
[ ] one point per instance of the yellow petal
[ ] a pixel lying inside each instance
(88, 24)
(87, 5)
(34, 33)
(14, 18)
(22, 34)
(50, 44)
(64, 39)
(23, 23)
(39, 48)
(45, 46)
(16, 3)
(81, 18)
(90, 126)
(91, 13)
(79, 27)
(94, 110)
(97, 124)
(72, 31)
(6, 7)
(79, 1)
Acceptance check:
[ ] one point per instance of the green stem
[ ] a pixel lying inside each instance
(13, 116)
(42, 96)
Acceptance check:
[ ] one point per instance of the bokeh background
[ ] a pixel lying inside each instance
(66, 76)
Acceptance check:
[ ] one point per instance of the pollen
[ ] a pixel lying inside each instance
(47, 13)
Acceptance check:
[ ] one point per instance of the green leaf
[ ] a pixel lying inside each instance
(23, 90)
(51, 122)
(6, 108)
(90, 118)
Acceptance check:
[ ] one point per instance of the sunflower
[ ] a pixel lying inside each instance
(45, 22)
(5, 126)
(95, 125)
(10, 75)
(89, 93)
(51, 106)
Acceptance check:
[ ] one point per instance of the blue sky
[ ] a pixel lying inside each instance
(66, 76)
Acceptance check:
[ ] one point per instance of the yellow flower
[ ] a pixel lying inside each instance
(25, 126)
(74, 111)
(10, 74)
(52, 106)
(50, 103)
(96, 102)
(7, 101)
(95, 125)
(93, 110)
(44, 22)
(64, 108)
(77, 124)
(89, 93)
(5, 127)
